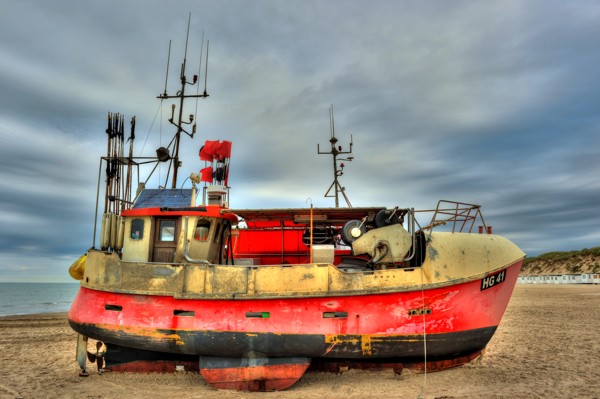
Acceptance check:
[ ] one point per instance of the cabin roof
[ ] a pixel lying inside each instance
(167, 197)
(302, 215)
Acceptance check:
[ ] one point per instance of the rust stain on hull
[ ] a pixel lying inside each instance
(154, 334)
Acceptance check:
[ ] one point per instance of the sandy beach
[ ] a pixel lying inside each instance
(547, 346)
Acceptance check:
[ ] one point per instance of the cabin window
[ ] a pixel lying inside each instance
(202, 230)
(137, 229)
(166, 230)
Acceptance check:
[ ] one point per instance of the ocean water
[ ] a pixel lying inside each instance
(31, 298)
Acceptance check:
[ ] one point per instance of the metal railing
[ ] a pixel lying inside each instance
(460, 216)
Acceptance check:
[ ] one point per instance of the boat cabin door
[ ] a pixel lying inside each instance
(166, 231)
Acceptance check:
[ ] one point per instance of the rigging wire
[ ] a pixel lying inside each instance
(159, 109)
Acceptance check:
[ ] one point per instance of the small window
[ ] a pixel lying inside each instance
(202, 230)
(167, 230)
(137, 229)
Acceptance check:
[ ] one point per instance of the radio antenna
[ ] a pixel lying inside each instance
(338, 170)
(168, 62)
(331, 122)
(177, 118)
(206, 68)
(187, 37)
(198, 87)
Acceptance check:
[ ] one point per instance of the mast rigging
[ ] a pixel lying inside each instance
(181, 95)
(338, 170)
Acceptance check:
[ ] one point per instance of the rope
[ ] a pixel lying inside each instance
(151, 126)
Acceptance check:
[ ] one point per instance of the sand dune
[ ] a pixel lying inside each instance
(547, 346)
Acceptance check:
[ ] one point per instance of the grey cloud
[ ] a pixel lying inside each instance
(491, 103)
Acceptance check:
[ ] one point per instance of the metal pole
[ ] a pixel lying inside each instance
(97, 198)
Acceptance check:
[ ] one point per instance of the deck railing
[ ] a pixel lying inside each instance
(460, 216)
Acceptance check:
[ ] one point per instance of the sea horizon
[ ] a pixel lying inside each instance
(25, 298)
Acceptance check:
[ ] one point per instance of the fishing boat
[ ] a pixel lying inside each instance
(251, 298)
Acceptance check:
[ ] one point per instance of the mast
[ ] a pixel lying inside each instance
(179, 122)
(338, 170)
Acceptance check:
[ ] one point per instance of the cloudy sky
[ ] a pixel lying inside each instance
(495, 103)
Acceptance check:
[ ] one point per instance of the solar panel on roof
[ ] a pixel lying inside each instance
(168, 197)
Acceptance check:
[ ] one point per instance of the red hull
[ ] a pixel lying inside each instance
(367, 326)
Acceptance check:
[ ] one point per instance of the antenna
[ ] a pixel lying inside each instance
(331, 123)
(206, 68)
(187, 36)
(168, 62)
(198, 87)
(338, 170)
(179, 122)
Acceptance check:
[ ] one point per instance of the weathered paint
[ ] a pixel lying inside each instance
(137, 249)
(119, 358)
(462, 319)
(395, 236)
(394, 313)
(123, 359)
(459, 258)
(252, 374)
